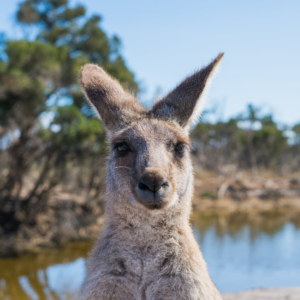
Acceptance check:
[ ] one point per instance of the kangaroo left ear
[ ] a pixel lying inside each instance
(116, 107)
(185, 103)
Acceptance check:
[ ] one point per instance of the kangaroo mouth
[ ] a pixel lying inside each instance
(155, 206)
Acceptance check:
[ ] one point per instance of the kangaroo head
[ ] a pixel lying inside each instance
(149, 162)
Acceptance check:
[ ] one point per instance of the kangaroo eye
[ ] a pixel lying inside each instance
(180, 148)
(122, 147)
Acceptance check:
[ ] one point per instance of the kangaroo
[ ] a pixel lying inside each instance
(147, 250)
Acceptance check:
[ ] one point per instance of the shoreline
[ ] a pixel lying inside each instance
(66, 220)
(230, 204)
(292, 293)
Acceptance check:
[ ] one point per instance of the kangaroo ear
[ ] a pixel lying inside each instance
(185, 103)
(116, 107)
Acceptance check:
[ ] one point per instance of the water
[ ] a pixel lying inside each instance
(243, 251)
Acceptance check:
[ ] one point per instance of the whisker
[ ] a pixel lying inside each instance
(122, 167)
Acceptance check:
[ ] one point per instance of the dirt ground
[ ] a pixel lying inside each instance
(265, 294)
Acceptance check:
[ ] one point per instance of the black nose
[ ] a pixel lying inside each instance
(153, 189)
(152, 182)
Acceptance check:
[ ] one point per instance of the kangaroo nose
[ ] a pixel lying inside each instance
(153, 189)
(152, 181)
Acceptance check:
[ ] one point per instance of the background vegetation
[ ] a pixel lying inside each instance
(49, 136)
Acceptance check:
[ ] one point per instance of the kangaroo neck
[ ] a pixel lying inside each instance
(145, 223)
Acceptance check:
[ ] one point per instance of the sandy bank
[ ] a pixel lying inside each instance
(265, 294)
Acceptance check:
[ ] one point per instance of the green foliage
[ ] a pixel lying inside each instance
(74, 129)
(270, 142)
(296, 130)
(59, 24)
(209, 194)
(39, 80)
(231, 143)
(28, 77)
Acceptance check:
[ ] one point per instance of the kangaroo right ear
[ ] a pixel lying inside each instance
(116, 107)
(185, 103)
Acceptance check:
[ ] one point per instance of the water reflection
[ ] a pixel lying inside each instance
(242, 250)
(245, 251)
(51, 275)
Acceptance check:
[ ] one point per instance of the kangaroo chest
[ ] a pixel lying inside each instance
(139, 259)
(140, 264)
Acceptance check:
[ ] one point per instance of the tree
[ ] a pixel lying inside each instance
(39, 79)
(216, 144)
(251, 117)
(242, 145)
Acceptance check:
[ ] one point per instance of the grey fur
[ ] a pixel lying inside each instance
(143, 253)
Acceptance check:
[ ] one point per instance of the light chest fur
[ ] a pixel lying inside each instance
(154, 261)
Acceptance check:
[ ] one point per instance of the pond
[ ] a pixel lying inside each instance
(242, 251)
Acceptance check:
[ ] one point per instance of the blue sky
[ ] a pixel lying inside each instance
(163, 41)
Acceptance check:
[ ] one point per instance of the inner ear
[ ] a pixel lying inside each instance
(116, 107)
(185, 103)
